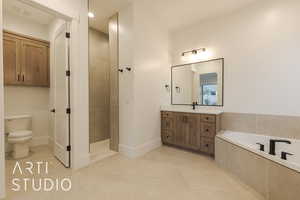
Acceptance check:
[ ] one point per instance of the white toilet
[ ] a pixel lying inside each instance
(19, 130)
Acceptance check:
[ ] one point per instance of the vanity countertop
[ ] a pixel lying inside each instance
(189, 109)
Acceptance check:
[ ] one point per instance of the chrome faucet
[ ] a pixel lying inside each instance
(273, 145)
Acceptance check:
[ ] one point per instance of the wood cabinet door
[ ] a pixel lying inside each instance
(35, 64)
(181, 129)
(167, 123)
(167, 137)
(187, 132)
(192, 137)
(11, 60)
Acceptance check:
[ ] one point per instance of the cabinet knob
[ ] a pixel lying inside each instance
(207, 130)
(207, 145)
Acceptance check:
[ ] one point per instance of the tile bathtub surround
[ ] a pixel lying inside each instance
(165, 173)
(272, 125)
(270, 179)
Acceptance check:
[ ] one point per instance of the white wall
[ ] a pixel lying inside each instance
(24, 26)
(149, 59)
(126, 80)
(260, 45)
(35, 100)
(2, 153)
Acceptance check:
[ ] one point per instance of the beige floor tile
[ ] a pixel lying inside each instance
(166, 174)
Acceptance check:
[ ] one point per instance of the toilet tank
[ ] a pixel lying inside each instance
(17, 123)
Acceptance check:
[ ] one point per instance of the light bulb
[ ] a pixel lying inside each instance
(91, 15)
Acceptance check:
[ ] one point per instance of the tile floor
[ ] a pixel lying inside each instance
(163, 174)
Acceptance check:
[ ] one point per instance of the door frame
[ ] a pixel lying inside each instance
(79, 83)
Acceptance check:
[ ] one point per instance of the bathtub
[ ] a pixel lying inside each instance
(249, 142)
(270, 176)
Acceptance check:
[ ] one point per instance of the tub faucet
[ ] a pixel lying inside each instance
(273, 145)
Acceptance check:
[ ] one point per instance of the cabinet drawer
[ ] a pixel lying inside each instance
(167, 137)
(208, 130)
(208, 118)
(207, 145)
(166, 114)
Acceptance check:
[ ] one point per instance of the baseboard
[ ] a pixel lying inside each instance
(38, 141)
(2, 196)
(80, 161)
(134, 152)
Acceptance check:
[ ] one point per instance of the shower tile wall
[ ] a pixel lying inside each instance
(98, 85)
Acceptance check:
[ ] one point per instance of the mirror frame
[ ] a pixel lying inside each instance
(183, 65)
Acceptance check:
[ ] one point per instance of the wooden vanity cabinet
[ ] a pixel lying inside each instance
(167, 127)
(190, 131)
(187, 130)
(26, 61)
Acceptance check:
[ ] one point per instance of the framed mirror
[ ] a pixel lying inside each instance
(201, 82)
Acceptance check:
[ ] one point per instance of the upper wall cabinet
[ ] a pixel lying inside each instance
(26, 61)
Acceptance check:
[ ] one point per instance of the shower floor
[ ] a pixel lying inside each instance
(100, 150)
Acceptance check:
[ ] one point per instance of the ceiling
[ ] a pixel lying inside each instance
(173, 13)
(23, 10)
(103, 10)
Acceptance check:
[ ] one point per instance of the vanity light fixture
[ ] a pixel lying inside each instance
(91, 15)
(194, 51)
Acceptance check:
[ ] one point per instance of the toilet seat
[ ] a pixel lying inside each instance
(20, 134)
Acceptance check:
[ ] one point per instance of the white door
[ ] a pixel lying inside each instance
(61, 97)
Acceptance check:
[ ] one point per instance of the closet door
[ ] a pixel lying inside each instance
(35, 64)
(62, 148)
(11, 60)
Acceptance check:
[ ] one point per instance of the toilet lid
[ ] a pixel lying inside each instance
(18, 134)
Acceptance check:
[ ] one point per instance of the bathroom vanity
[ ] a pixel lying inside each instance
(192, 130)
(194, 85)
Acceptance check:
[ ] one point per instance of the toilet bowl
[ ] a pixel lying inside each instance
(20, 143)
(19, 135)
